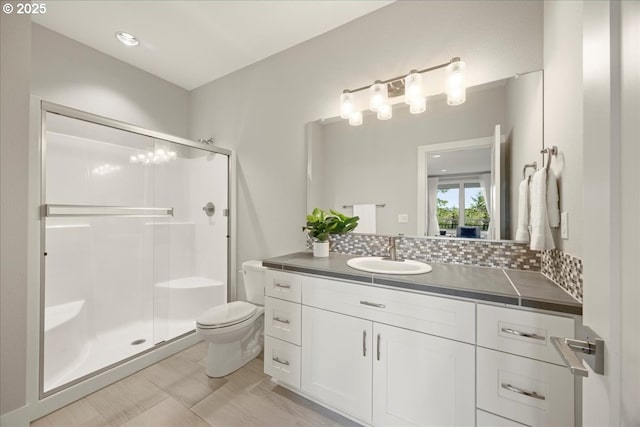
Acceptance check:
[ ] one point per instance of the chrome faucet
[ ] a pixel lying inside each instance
(391, 250)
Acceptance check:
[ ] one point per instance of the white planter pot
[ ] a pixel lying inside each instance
(321, 249)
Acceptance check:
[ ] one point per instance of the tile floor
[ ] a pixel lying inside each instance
(175, 392)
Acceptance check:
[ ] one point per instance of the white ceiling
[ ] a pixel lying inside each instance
(190, 43)
(467, 161)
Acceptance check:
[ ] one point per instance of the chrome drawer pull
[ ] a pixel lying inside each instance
(280, 361)
(280, 285)
(372, 304)
(277, 319)
(522, 392)
(523, 334)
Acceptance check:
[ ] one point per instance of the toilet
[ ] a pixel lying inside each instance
(234, 330)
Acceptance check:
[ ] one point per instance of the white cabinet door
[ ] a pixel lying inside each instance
(336, 360)
(421, 380)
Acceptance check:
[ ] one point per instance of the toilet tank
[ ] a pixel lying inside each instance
(253, 275)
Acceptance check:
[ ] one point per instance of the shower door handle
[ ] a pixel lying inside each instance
(98, 211)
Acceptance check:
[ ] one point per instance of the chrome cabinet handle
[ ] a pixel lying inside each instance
(522, 391)
(280, 285)
(378, 348)
(372, 304)
(277, 319)
(364, 343)
(280, 361)
(523, 334)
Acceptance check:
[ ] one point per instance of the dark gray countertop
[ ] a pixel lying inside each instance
(515, 287)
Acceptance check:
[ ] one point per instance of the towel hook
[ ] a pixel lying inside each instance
(552, 151)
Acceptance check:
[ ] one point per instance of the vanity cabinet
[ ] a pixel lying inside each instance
(421, 380)
(385, 375)
(520, 376)
(336, 360)
(365, 353)
(394, 358)
(282, 326)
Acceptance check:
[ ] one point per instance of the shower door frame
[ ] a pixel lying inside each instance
(49, 107)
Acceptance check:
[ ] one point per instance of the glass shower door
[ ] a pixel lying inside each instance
(131, 259)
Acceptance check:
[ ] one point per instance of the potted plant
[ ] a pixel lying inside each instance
(321, 224)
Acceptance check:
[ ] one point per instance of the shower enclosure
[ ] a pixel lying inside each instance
(135, 241)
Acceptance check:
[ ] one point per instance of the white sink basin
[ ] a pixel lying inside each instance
(382, 266)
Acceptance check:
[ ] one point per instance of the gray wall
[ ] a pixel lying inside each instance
(15, 39)
(524, 133)
(563, 95)
(377, 162)
(72, 74)
(261, 110)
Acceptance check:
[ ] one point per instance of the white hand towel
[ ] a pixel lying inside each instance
(367, 221)
(522, 232)
(553, 210)
(541, 237)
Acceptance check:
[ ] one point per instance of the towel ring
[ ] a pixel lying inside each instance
(552, 151)
(533, 165)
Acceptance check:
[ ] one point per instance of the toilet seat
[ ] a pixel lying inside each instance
(225, 315)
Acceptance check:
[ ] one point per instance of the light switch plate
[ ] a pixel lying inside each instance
(403, 218)
(564, 225)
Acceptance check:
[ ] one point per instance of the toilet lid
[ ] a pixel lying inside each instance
(226, 314)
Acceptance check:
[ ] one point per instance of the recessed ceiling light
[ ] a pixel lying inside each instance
(443, 170)
(127, 39)
(435, 156)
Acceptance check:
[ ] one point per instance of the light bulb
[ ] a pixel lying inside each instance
(418, 106)
(456, 91)
(127, 39)
(384, 112)
(355, 119)
(346, 104)
(412, 87)
(133, 159)
(377, 95)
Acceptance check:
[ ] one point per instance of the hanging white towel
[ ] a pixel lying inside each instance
(541, 237)
(522, 232)
(367, 221)
(553, 209)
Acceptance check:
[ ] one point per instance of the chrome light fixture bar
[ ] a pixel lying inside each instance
(410, 86)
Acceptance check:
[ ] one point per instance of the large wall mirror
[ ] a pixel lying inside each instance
(465, 161)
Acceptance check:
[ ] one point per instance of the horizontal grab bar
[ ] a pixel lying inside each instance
(88, 210)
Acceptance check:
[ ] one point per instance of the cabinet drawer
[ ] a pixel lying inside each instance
(282, 320)
(282, 285)
(424, 313)
(525, 390)
(522, 332)
(485, 419)
(282, 361)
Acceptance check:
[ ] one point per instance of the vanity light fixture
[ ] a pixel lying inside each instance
(410, 86)
(355, 119)
(127, 39)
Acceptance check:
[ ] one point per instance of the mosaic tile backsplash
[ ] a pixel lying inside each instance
(505, 254)
(565, 270)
